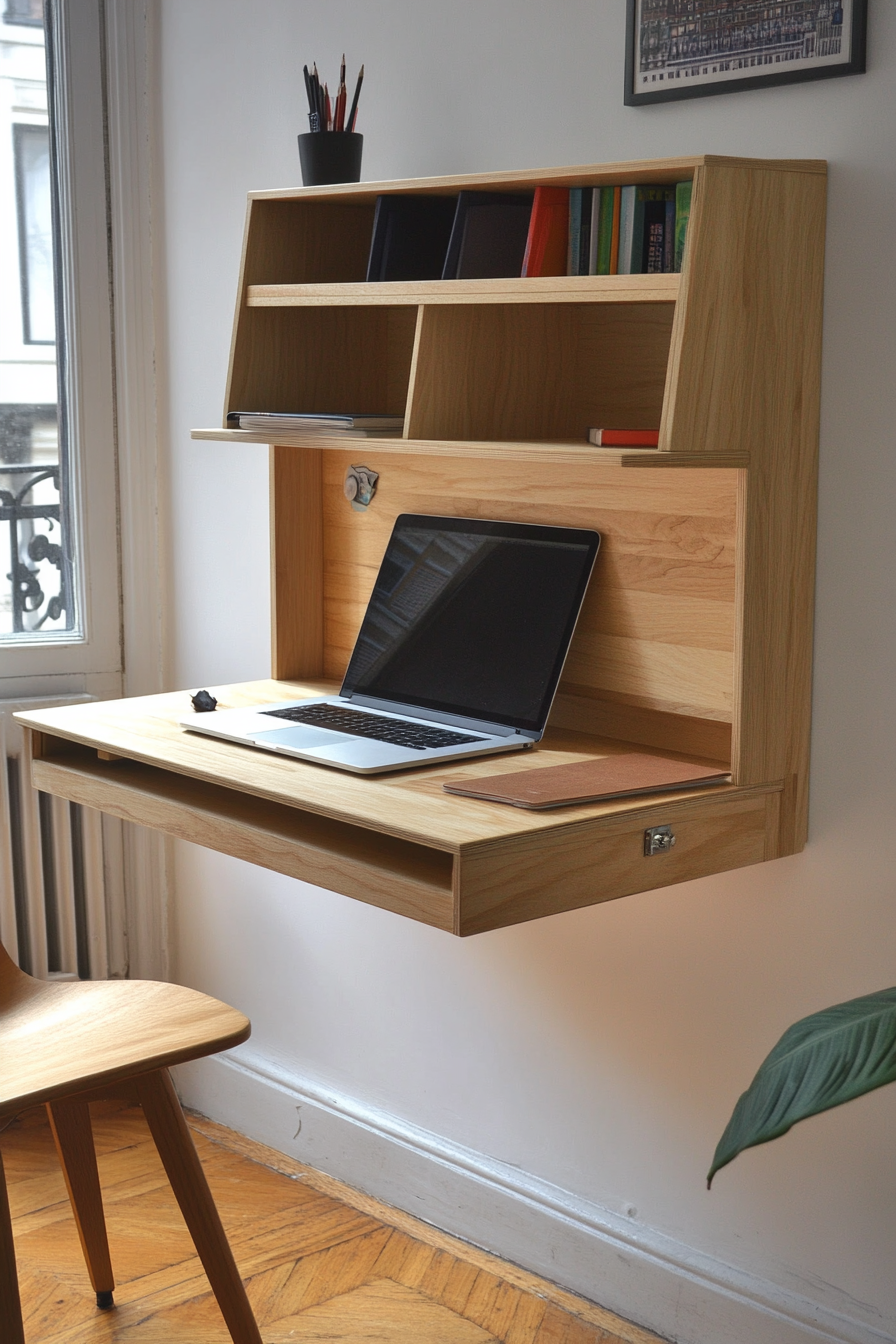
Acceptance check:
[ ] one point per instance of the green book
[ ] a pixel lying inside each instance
(575, 231)
(605, 230)
(683, 192)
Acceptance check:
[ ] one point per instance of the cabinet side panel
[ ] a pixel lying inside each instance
(296, 563)
(748, 379)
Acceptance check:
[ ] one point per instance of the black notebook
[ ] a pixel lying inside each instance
(410, 237)
(488, 239)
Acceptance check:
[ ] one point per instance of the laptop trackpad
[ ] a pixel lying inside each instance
(301, 737)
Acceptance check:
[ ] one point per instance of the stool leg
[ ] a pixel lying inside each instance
(70, 1123)
(181, 1161)
(10, 1302)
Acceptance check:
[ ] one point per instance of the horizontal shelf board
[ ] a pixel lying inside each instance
(409, 805)
(537, 289)
(557, 451)
(585, 174)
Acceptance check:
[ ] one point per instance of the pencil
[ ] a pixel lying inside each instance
(350, 124)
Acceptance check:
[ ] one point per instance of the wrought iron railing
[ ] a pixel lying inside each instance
(34, 554)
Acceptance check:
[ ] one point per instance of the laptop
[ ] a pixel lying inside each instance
(459, 654)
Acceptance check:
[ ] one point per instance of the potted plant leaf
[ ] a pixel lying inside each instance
(821, 1061)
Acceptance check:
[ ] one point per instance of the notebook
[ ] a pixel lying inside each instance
(588, 781)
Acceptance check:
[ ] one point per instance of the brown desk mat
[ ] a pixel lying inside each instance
(588, 781)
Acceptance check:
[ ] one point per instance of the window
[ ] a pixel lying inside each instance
(58, 558)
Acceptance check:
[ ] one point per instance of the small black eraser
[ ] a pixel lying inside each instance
(203, 703)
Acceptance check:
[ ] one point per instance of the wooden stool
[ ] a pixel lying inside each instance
(69, 1043)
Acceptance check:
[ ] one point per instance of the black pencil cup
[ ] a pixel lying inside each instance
(330, 156)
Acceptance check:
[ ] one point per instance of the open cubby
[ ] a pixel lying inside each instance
(538, 371)
(696, 634)
(323, 360)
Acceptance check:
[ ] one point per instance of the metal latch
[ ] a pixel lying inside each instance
(658, 840)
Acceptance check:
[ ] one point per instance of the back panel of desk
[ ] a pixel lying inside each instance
(652, 660)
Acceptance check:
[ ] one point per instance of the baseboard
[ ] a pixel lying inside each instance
(641, 1274)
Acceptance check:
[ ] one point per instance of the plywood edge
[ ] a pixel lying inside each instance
(547, 451)
(540, 289)
(397, 875)
(618, 172)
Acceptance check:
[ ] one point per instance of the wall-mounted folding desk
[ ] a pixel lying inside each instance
(696, 635)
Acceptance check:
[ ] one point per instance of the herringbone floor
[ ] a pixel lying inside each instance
(323, 1262)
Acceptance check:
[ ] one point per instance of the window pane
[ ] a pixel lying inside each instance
(36, 598)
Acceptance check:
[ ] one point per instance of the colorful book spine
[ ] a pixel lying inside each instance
(683, 192)
(585, 236)
(626, 230)
(548, 240)
(575, 230)
(614, 232)
(597, 195)
(669, 233)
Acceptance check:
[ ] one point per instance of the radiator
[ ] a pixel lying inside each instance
(60, 867)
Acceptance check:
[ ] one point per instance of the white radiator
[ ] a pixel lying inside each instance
(60, 868)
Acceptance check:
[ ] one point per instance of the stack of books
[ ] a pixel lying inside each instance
(635, 230)
(308, 423)
(478, 235)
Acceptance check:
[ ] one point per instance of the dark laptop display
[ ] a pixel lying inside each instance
(472, 618)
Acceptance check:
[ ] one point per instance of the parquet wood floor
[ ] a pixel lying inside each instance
(323, 1262)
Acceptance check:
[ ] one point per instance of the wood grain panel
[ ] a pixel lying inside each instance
(297, 596)
(746, 359)
(658, 624)
(574, 869)
(544, 371)
(302, 242)
(322, 360)
(532, 289)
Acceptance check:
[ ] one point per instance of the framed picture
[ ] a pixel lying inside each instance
(691, 48)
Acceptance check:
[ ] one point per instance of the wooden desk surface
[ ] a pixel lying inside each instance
(409, 804)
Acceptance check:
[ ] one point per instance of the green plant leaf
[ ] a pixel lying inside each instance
(819, 1062)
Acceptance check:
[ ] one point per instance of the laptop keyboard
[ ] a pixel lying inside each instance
(359, 724)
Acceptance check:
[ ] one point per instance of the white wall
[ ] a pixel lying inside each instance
(590, 1059)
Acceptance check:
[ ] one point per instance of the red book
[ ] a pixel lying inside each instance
(624, 438)
(548, 232)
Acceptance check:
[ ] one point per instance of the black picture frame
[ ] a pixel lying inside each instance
(667, 81)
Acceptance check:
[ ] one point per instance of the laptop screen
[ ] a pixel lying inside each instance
(472, 618)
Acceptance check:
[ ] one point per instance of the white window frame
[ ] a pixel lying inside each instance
(90, 658)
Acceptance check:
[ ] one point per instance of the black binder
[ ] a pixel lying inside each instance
(410, 237)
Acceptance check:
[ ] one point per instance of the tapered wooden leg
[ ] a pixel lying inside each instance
(181, 1161)
(10, 1302)
(70, 1123)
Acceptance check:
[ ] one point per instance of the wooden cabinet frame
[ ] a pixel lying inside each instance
(696, 635)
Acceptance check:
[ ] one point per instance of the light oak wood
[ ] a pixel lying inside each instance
(70, 1123)
(539, 371)
(318, 1254)
(61, 1042)
(549, 452)
(10, 1302)
(181, 1162)
(695, 637)
(536, 289)
(399, 841)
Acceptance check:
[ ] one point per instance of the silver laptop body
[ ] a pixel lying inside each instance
(459, 654)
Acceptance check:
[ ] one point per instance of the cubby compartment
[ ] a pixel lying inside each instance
(322, 359)
(539, 372)
(308, 242)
